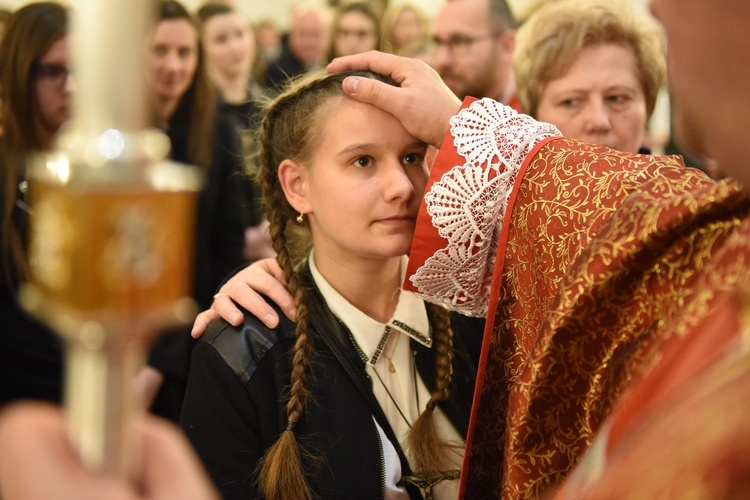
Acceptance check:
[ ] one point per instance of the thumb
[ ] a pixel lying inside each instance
(369, 91)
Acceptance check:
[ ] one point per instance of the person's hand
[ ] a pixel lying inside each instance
(262, 277)
(258, 243)
(423, 103)
(146, 384)
(37, 461)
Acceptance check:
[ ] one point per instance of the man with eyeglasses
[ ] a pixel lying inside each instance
(474, 42)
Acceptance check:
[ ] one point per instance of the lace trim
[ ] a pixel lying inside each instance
(468, 203)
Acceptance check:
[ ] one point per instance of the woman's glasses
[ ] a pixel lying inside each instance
(53, 74)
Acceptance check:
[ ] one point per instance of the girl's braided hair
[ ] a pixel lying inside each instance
(290, 129)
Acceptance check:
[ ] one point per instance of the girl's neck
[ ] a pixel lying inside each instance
(233, 88)
(165, 108)
(371, 286)
(46, 138)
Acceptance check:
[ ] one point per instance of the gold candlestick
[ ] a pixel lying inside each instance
(111, 235)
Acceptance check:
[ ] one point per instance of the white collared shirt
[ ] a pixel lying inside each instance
(408, 393)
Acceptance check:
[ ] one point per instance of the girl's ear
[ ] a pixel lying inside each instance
(293, 181)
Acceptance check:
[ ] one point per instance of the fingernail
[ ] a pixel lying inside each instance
(293, 312)
(236, 318)
(270, 320)
(350, 84)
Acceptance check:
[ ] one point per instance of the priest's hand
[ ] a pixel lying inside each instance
(422, 103)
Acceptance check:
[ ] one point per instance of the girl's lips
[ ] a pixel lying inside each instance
(399, 220)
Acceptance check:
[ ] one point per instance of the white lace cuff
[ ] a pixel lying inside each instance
(468, 204)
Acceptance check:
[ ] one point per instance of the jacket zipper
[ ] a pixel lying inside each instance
(382, 465)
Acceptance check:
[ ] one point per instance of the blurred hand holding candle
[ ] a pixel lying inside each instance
(112, 233)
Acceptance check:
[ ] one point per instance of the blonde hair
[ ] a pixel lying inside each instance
(364, 8)
(290, 129)
(556, 32)
(390, 18)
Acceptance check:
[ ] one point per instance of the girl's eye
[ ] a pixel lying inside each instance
(413, 159)
(363, 161)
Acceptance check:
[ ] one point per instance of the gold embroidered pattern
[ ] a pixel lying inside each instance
(604, 261)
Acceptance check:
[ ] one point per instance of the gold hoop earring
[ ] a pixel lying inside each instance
(300, 218)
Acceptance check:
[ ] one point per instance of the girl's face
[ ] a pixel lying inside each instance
(228, 44)
(356, 33)
(53, 86)
(407, 28)
(364, 185)
(173, 59)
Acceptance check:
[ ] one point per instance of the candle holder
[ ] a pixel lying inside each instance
(111, 232)
(110, 252)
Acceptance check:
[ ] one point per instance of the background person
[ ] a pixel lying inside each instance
(474, 42)
(305, 45)
(268, 39)
(4, 15)
(356, 29)
(230, 53)
(201, 133)
(36, 98)
(404, 26)
(592, 68)
(229, 47)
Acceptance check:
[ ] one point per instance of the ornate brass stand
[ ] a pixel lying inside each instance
(111, 234)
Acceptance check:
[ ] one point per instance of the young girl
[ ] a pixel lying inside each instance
(201, 133)
(230, 54)
(356, 29)
(368, 394)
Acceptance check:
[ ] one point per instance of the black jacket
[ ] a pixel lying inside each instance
(234, 407)
(31, 360)
(224, 208)
(279, 71)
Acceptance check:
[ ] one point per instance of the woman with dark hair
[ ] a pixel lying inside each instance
(35, 90)
(184, 105)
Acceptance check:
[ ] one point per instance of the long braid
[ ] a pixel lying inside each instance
(429, 452)
(280, 471)
(289, 131)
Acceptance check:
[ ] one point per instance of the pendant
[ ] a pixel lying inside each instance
(391, 368)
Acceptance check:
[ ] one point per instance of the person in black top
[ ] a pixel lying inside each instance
(203, 134)
(229, 49)
(304, 47)
(36, 100)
